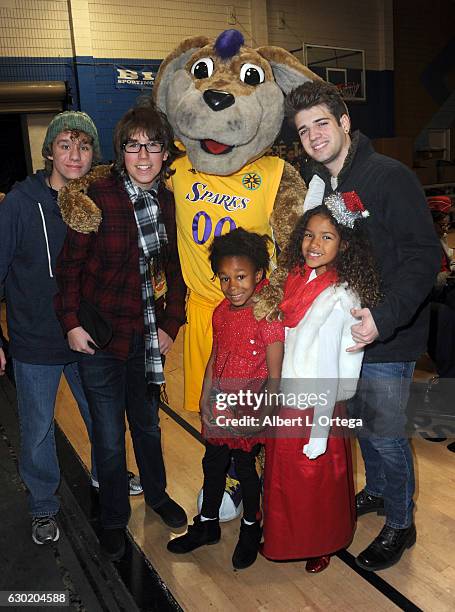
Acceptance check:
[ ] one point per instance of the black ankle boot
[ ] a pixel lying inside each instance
(387, 548)
(365, 503)
(198, 534)
(246, 551)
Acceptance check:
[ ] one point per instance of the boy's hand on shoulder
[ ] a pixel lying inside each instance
(315, 448)
(79, 339)
(365, 332)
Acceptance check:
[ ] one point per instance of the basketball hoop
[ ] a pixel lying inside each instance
(349, 90)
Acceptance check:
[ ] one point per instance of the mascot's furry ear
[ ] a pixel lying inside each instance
(287, 70)
(173, 62)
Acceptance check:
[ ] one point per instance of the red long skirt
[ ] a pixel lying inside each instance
(309, 505)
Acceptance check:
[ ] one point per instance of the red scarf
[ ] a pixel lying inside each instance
(299, 294)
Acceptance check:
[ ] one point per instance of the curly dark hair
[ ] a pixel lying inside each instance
(145, 117)
(355, 263)
(240, 243)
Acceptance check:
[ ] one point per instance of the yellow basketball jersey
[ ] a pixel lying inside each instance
(208, 206)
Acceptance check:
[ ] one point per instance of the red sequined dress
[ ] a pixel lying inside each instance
(240, 343)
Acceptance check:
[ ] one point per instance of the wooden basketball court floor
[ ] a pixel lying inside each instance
(205, 580)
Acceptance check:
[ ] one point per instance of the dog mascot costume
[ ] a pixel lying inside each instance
(224, 101)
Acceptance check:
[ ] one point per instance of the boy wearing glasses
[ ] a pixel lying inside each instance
(120, 269)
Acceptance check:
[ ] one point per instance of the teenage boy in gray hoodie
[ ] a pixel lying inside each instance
(32, 234)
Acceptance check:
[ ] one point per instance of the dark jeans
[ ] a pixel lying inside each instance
(215, 464)
(381, 401)
(36, 388)
(113, 386)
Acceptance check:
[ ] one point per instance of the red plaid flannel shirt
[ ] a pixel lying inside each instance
(103, 268)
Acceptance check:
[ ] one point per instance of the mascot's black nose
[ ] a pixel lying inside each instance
(218, 100)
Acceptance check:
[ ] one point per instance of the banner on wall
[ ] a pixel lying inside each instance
(134, 76)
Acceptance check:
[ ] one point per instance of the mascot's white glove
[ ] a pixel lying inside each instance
(315, 447)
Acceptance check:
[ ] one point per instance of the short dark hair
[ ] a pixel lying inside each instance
(240, 243)
(312, 94)
(147, 118)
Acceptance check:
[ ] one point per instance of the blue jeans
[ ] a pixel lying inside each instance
(381, 402)
(113, 386)
(36, 388)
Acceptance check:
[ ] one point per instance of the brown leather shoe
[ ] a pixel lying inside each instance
(317, 564)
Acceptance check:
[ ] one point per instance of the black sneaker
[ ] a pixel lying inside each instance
(247, 548)
(365, 503)
(44, 529)
(172, 514)
(112, 542)
(387, 548)
(198, 534)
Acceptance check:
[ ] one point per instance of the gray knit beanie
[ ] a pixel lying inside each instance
(69, 121)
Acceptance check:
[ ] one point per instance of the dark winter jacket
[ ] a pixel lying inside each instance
(404, 242)
(31, 237)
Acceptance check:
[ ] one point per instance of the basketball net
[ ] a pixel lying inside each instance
(349, 90)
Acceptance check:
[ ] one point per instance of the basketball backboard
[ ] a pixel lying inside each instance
(343, 67)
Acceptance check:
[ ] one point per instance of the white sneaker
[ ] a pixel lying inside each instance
(135, 487)
(135, 484)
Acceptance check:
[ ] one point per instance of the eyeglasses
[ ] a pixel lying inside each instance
(150, 147)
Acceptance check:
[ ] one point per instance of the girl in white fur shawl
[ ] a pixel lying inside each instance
(309, 508)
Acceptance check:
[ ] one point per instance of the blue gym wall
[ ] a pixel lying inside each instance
(91, 86)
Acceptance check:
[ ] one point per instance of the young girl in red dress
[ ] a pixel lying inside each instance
(309, 509)
(246, 356)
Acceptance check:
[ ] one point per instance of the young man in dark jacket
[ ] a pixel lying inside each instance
(122, 266)
(31, 236)
(395, 332)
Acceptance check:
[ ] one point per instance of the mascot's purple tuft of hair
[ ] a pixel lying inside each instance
(228, 43)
